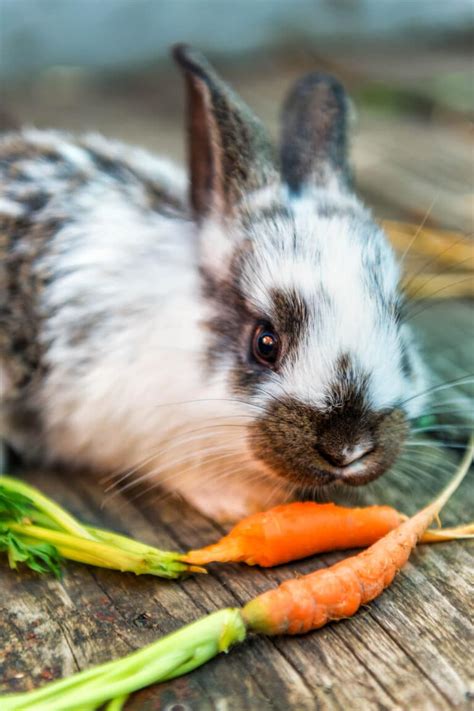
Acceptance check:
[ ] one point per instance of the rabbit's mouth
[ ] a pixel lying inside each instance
(308, 473)
(305, 446)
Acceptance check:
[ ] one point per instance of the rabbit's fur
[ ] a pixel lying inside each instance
(128, 313)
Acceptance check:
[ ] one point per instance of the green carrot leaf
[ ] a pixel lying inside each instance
(40, 557)
(41, 533)
(14, 505)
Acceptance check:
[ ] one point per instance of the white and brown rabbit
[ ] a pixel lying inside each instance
(236, 345)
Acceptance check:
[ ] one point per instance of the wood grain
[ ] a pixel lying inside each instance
(409, 649)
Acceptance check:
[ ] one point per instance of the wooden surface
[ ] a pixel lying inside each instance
(411, 648)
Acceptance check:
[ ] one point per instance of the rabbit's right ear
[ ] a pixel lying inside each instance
(230, 152)
(314, 135)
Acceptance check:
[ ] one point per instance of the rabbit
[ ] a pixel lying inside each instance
(237, 341)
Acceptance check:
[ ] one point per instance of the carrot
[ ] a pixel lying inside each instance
(297, 530)
(311, 601)
(448, 534)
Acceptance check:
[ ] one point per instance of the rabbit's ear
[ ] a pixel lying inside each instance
(230, 152)
(313, 142)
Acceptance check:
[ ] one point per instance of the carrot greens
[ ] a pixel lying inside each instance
(36, 531)
(176, 654)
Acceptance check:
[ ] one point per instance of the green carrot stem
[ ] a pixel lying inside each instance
(41, 519)
(87, 558)
(87, 544)
(61, 517)
(177, 653)
(129, 544)
(102, 554)
(117, 539)
(162, 569)
(117, 704)
(51, 515)
(111, 686)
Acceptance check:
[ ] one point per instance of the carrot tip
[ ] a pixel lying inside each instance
(197, 569)
(448, 534)
(224, 551)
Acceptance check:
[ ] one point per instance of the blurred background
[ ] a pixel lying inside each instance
(89, 65)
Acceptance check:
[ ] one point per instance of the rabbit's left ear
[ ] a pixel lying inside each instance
(230, 152)
(314, 141)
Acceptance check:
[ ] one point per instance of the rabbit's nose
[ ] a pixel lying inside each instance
(344, 456)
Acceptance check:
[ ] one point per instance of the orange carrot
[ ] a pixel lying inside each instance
(302, 604)
(448, 534)
(297, 530)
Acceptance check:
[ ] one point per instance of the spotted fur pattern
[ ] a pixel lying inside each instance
(320, 271)
(127, 315)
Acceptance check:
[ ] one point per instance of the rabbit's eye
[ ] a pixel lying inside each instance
(265, 344)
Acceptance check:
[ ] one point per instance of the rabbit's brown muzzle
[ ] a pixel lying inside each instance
(347, 445)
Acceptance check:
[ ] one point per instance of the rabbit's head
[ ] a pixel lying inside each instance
(302, 285)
